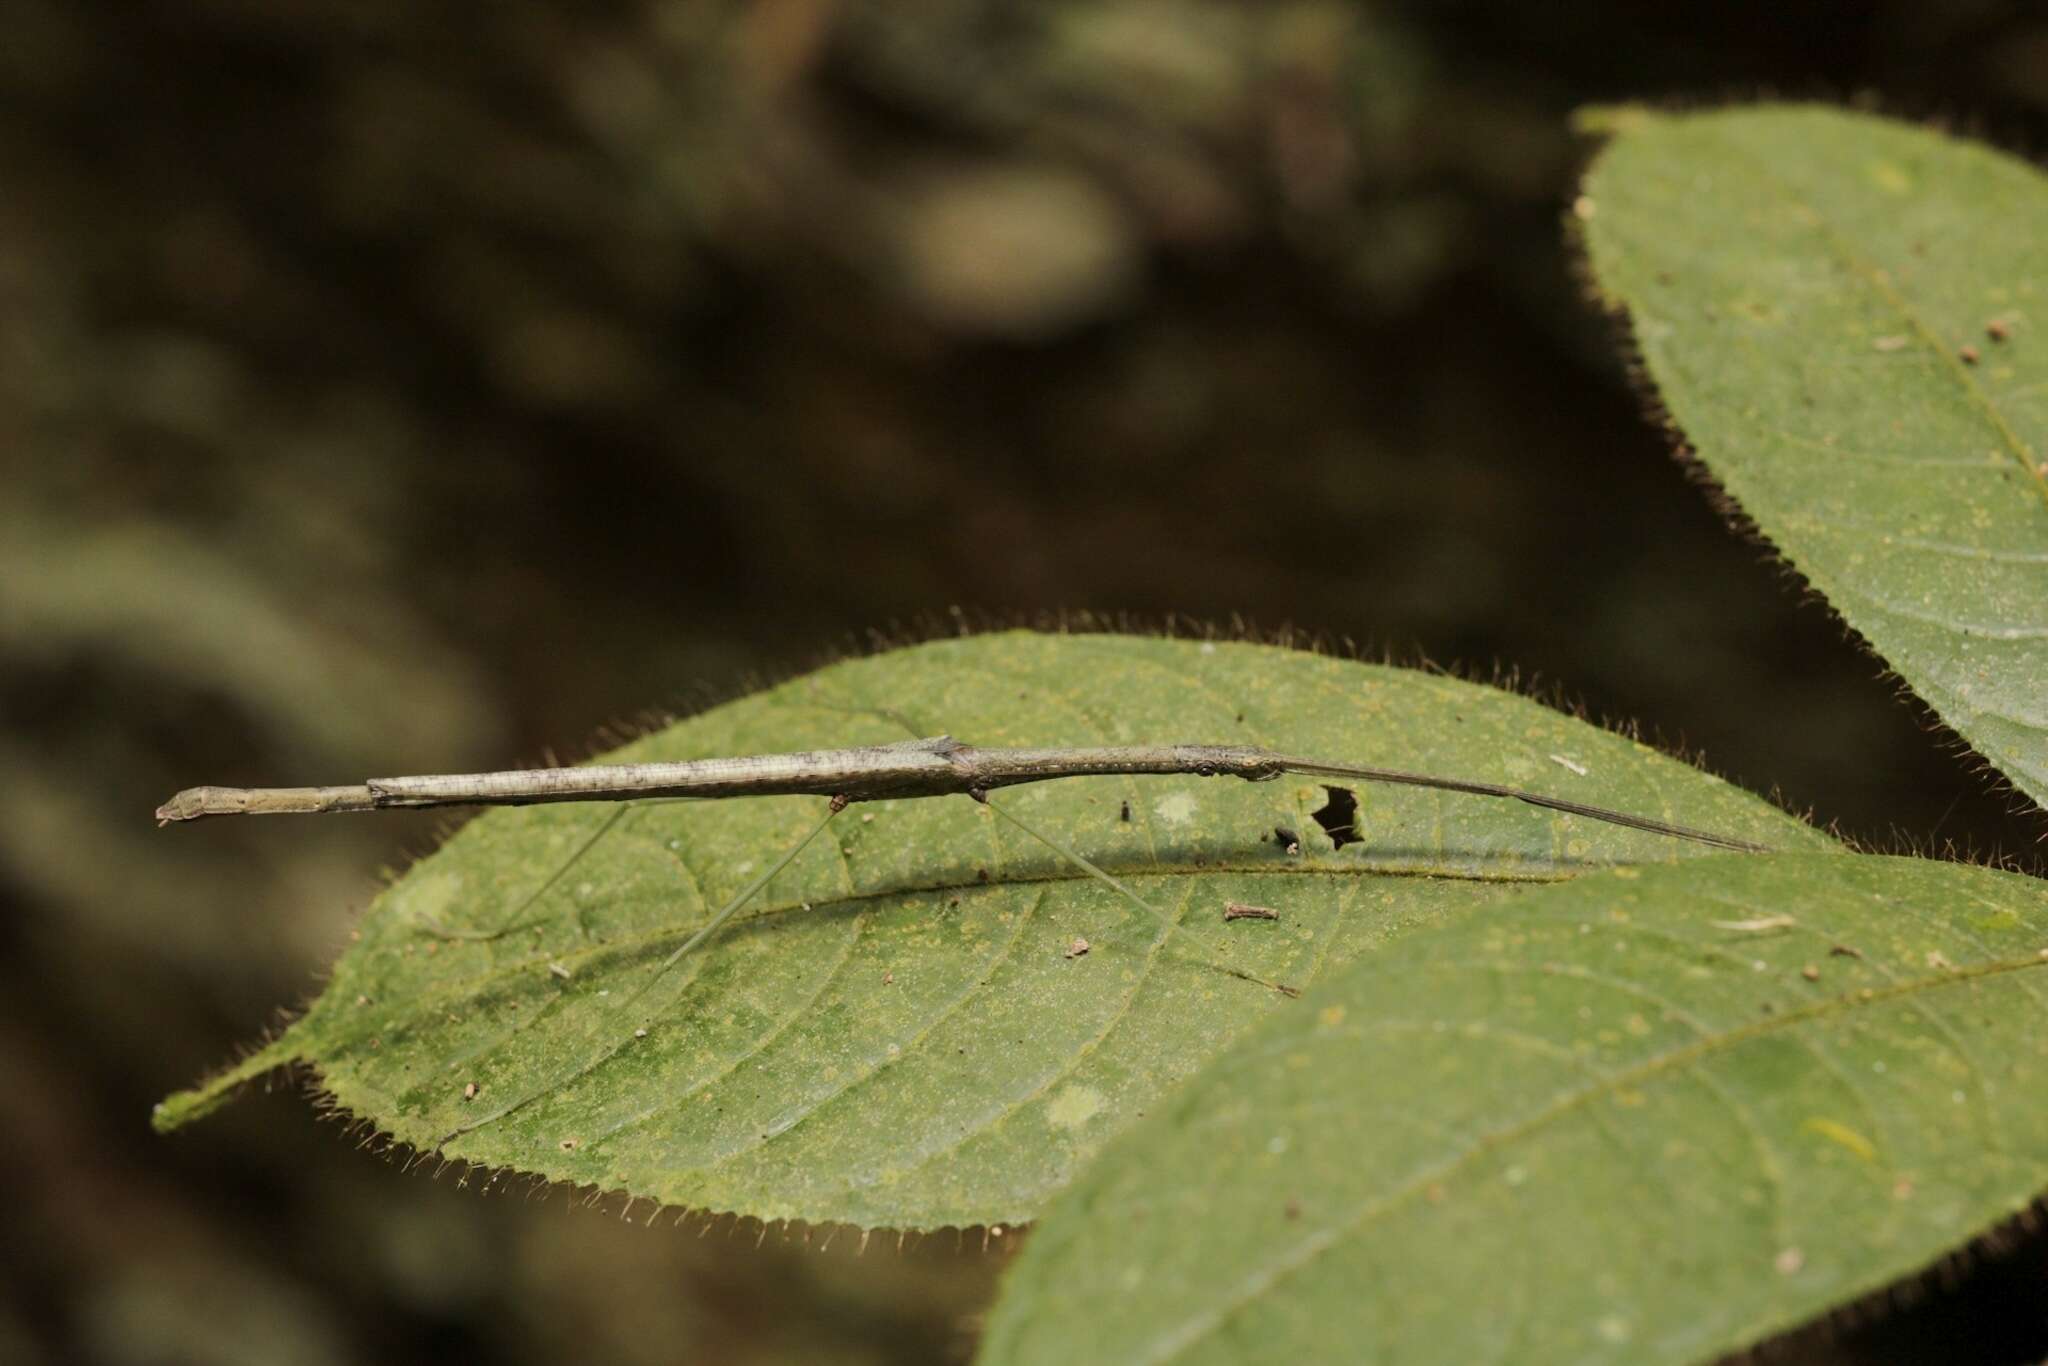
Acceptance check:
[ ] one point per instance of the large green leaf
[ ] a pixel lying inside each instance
(1651, 1116)
(894, 1033)
(1807, 287)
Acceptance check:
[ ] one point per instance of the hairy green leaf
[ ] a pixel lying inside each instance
(1848, 319)
(1650, 1116)
(901, 1030)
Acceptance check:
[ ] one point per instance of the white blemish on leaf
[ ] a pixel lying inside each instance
(1073, 1107)
(1175, 808)
(1760, 925)
(427, 898)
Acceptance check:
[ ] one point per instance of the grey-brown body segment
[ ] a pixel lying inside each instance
(932, 767)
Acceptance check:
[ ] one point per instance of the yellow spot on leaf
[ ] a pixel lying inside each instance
(1837, 1132)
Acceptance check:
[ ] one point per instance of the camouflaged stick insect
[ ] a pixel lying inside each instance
(932, 767)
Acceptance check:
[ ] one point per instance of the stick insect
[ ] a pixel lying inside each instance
(937, 766)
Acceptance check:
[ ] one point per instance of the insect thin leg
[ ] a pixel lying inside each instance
(517, 920)
(739, 899)
(725, 913)
(1107, 879)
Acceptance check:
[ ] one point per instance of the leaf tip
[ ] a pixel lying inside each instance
(180, 1108)
(175, 1111)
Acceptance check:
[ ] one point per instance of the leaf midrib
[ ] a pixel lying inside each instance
(499, 973)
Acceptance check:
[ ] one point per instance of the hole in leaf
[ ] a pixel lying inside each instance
(1339, 819)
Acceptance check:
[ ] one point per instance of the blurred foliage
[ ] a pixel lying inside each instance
(390, 389)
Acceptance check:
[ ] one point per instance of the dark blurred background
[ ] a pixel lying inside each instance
(391, 388)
